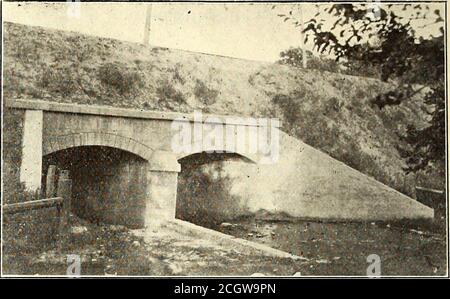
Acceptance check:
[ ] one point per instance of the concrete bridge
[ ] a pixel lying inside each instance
(141, 142)
(125, 168)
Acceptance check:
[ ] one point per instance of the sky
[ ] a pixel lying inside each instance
(248, 31)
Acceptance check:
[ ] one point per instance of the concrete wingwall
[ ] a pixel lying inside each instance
(304, 183)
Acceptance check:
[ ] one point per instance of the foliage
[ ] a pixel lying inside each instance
(29, 232)
(166, 92)
(60, 79)
(117, 76)
(294, 57)
(428, 144)
(21, 232)
(26, 51)
(382, 36)
(205, 94)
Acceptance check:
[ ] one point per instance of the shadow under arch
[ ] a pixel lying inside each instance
(61, 142)
(204, 191)
(108, 183)
(249, 158)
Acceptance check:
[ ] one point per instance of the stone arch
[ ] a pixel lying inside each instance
(61, 142)
(253, 158)
(218, 202)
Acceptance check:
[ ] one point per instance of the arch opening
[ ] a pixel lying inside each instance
(211, 188)
(108, 184)
(62, 142)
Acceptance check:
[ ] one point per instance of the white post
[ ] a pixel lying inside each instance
(31, 166)
(148, 22)
(302, 43)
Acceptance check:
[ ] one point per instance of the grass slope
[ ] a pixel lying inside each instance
(326, 110)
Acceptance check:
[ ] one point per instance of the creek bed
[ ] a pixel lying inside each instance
(342, 248)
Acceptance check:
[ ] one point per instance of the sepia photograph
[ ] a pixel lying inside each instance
(246, 139)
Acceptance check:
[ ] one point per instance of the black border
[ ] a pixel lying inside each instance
(166, 284)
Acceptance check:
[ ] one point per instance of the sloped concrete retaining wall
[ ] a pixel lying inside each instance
(305, 183)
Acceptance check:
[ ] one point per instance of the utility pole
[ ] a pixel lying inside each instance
(148, 22)
(302, 40)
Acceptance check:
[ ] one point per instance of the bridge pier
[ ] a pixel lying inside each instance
(161, 193)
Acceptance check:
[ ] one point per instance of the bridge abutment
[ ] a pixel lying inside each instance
(31, 166)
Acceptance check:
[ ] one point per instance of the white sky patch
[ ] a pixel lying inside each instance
(249, 31)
